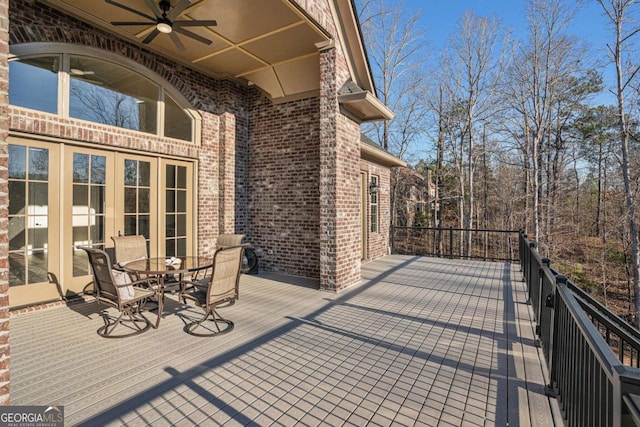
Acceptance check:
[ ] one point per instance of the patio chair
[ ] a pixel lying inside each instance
(222, 288)
(201, 278)
(225, 240)
(134, 248)
(118, 291)
(129, 248)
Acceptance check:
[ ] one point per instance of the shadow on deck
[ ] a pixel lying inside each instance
(421, 341)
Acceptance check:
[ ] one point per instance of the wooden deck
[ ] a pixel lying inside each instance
(421, 341)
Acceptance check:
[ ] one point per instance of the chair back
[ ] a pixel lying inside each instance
(102, 278)
(129, 248)
(225, 277)
(225, 240)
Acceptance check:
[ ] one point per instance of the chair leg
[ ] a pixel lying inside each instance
(227, 325)
(138, 321)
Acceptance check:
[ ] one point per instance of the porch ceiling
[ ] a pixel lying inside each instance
(270, 43)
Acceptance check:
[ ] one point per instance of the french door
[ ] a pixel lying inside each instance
(85, 197)
(33, 215)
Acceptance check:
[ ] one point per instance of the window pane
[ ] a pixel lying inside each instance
(81, 235)
(98, 169)
(16, 233)
(182, 177)
(97, 199)
(97, 229)
(177, 123)
(171, 201)
(38, 164)
(80, 263)
(170, 249)
(38, 266)
(38, 197)
(80, 200)
(130, 200)
(130, 172)
(107, 93)
(182, 247)
(33, 83)
(171, 226)
(143, 225)
(17, 269)
(80, 167)
(17, 198)
(17, 162)
(182, 201)
(130, 226)
(171, 176)
(144, 201)
(144, 174)
(38, 232)
(182, 225)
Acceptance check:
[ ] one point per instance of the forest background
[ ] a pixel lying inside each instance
(531, 128)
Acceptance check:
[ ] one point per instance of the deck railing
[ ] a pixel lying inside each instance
(592, 354)
(483, 244)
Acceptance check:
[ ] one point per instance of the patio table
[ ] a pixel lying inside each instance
(164, 267)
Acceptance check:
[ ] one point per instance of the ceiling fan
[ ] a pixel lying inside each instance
(165, 21)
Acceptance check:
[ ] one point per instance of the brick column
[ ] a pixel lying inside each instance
(339, 184)
(227, 159)
(208, 185)
(4, 204)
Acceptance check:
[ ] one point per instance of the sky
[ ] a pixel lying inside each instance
(439, 17)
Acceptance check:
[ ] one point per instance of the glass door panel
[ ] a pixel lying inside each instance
(177, 229)
(33, 216)
(89, 207)
(138, 200)
(89, 213)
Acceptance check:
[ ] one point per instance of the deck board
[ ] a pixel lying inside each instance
(421, 341)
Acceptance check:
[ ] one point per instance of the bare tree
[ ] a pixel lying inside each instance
(536, 91)
(397, 53)
(473, 66)
(396, 50)
(620, 14)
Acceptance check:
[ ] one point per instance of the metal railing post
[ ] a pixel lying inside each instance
(530, 257)
(551, 302)
(451, 242)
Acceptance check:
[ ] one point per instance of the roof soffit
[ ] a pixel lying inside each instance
(272, 44)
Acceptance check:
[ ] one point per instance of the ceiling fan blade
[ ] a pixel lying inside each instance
(128, 9)
(192, 35)
(154, 8)
(176, 41)
(132, 23)
(200, 23)
(152, 35)
(178, 9)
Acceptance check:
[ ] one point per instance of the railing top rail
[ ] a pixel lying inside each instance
(606, 320)
(601, 350)
(479, 230)
(613, 321)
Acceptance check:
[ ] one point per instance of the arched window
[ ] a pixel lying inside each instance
(85, 84)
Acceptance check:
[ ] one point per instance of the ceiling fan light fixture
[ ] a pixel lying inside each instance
(163, 27)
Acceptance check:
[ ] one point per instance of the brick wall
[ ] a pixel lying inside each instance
(284, 189)
(4, 204)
